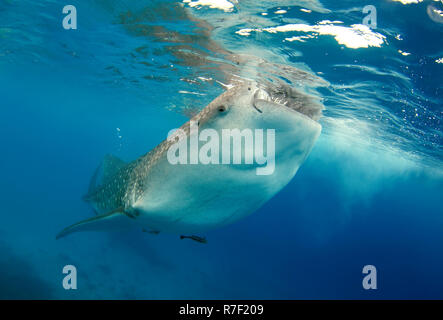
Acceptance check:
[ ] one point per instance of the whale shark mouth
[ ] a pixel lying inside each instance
(291, 98)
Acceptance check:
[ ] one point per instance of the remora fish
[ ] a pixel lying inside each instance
(154, 194)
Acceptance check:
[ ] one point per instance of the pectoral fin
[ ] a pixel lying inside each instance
(115, 218)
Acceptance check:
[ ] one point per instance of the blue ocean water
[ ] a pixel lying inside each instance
(370, 192)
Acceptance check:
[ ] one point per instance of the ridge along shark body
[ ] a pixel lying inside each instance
(156, 195)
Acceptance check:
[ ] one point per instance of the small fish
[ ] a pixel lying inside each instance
(195, 238)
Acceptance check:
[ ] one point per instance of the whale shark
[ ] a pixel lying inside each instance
(156, 195)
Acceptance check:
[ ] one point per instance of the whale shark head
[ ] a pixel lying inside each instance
(292, 114)
(251, 103)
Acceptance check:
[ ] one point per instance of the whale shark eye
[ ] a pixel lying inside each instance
(221, 108)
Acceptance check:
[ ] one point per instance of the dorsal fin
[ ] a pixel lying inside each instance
(109, 166)
(93, 182)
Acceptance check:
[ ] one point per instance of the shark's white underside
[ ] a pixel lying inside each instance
(192, 198)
